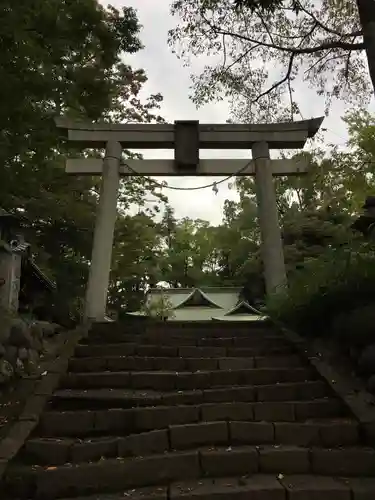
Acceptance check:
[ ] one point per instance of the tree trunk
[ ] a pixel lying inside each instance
(366, 10)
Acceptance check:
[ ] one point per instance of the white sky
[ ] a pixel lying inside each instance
(167, 75)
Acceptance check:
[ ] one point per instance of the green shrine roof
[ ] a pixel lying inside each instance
(206, 303)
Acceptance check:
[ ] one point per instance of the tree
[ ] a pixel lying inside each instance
(331, 289)
(178, 265)
(258, 54)
(63, 58)
(136, 260)
(198, 254)
(316, 210)
(238, 241)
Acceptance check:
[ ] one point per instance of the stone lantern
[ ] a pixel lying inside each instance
(12, 249)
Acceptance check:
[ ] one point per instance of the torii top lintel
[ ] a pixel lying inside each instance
(287, 135)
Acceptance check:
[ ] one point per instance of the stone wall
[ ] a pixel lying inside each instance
(22, 345)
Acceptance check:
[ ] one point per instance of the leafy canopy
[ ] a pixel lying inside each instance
(333, 269)
(258, 51)
(64, 57)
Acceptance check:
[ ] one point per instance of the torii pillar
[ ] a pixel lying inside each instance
(271, 241)
(186, 138)
(101, 257)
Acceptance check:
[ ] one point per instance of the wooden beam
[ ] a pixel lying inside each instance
(290, 135)
(205, 167)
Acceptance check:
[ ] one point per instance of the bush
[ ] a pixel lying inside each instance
(160, 308)
(355, 328)
(338, 281)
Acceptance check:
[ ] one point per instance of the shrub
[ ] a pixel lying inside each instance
(339, 280)
(160, 308)
(355, 328)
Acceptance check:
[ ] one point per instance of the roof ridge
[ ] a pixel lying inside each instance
(192, 294)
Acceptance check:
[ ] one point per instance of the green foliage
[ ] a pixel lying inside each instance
(356, 327)
(135, 261)
(257, 51)
(194, 253)
(339, 280)
(160, 308)
(64, 58)
(270, 5)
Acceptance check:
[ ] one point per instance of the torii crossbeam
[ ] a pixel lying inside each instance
(186, 138)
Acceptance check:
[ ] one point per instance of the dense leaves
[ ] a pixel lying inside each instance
(334, 266)
(339, 280)
(63, 57)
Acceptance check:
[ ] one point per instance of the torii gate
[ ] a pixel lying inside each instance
(186, 138)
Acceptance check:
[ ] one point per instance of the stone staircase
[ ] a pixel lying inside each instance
(200, 411)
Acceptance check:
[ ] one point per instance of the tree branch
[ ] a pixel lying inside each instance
(239, 58)
(225, 52)
(347, 65)
(265, 27)
(280, 82)
(326, 28)
(318, 61)
(291, 100)
(338, 44)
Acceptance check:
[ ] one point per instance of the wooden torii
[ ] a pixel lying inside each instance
(186, 138)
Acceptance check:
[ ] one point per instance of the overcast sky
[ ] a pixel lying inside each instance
(167, 76)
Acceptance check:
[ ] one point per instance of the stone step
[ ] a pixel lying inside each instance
(148, 493)
(212, 329)
(105, 332)
(133, 349)
(127, 398)
(269, 487)
(197, 411)
(138, 363)
(114, 475)
(189, 340)
(123, 421)
(168, 380)
(122, 398)
(47, 451)
(255, 487)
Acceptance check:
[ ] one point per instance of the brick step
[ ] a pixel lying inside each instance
(196, 329)
(127, 398)
(114, 475)
(123, 421)
(255, 487)
(212, 329)
(133, 349)
(148, 493)
(188, 340)
(47, 451)
(168, 380)
(138, 363)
